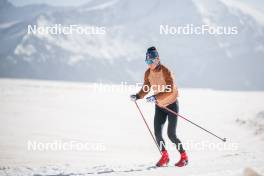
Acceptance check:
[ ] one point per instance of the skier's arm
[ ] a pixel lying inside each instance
(169, 85)
(146, 86)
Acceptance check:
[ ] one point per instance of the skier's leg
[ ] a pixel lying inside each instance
(172, 124)
(159, 120)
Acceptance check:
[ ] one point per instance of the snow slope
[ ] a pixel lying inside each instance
(46, 111)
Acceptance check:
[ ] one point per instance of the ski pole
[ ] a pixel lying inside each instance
(176, 114)
(147, 127)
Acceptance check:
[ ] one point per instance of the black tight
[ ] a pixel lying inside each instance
(159, 120)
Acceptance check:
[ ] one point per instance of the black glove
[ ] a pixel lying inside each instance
(151, 99)
(134, 97)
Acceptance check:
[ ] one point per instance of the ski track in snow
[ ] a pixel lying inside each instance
(104, 170)
(55, 171)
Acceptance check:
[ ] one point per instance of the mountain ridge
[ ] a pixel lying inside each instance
(219, 62)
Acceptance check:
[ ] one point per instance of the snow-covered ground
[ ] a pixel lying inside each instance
(46, 112)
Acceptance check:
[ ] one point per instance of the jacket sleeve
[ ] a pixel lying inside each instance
(146, 86)
(168, 77)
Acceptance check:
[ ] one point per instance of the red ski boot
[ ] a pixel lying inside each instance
(183, 161)
(164, 160)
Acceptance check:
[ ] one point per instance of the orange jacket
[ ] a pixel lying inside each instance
(161, 81)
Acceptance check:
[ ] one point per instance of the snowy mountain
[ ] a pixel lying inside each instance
(209, 61)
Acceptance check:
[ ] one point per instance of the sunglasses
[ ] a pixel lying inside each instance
(149, 62)
(151, 56)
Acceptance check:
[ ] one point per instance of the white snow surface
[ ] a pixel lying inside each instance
(46, 111)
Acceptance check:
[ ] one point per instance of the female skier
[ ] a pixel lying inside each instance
(160, 80)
